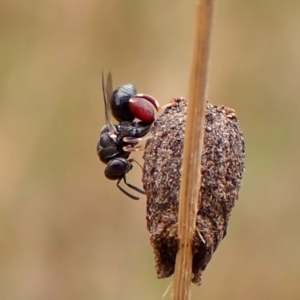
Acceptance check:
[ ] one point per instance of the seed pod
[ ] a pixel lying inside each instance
(222, 168)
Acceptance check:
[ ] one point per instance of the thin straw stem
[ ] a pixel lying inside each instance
(191, 164)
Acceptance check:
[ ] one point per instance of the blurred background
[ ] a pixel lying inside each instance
(66, 231)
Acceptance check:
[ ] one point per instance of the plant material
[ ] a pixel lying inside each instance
(222, 166)
(191, 158)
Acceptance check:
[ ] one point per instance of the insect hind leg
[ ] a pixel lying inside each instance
(125, 192)
(133, 187)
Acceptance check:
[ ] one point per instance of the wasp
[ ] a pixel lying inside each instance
(135, 114)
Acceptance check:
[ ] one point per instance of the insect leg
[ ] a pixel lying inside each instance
(125, 192)
(133, 187)
(129, 148)
(133, 140)
(133, 160)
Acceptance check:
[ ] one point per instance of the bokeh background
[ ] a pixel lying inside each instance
(66, 232)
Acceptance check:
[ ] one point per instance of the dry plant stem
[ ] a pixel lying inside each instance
(191, 170)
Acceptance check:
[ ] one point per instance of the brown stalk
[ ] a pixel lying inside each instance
(191, 170)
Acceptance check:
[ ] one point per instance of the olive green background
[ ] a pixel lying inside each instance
(66, 232)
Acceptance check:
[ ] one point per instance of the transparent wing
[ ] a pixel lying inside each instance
(109, 86)
(107, 92)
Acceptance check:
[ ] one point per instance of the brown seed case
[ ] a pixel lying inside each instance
(222, 168)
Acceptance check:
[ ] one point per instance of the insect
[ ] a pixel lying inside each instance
(135, 114)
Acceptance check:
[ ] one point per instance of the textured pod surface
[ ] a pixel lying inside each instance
(222, 169)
